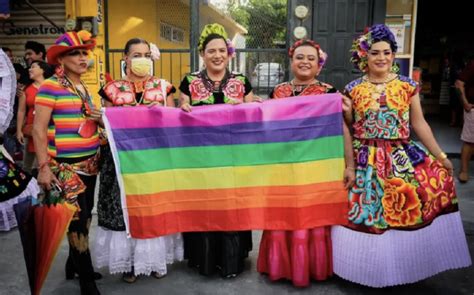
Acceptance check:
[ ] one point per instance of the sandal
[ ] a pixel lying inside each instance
(463, 177)
(129, 277)
(157, 275)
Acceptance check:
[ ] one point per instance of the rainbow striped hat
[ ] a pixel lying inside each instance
(69, 41)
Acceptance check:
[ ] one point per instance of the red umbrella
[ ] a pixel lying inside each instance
(51, 223)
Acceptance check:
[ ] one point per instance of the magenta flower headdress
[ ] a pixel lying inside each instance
(322, 56)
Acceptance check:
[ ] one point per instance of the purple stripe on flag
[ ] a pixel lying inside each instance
(248, 133)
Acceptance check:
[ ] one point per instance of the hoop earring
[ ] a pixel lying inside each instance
(59, 70)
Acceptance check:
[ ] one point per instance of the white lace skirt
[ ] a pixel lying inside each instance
(7, 215)
(114, 250)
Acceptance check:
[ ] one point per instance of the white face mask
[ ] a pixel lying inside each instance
(141, 66)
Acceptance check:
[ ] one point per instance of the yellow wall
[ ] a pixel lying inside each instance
(94, 78)
(143, 21)
(129, 19)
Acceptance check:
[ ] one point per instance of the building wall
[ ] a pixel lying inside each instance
(144, 22)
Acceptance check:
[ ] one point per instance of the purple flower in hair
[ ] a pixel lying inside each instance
(323, 56)
(364, 45)
(230, 48)
(355, 54)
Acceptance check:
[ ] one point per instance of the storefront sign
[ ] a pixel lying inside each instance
(10, 29)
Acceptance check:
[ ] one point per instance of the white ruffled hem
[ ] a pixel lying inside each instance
(7, 215)
(114, 250)
(400, 257)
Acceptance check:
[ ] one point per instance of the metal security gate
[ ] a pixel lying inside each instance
(260, 38)
(262, 31)
(334, 24)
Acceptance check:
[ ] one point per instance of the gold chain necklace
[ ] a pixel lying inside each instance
(380, 86)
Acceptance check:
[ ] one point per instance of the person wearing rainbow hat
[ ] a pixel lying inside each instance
(66, 143)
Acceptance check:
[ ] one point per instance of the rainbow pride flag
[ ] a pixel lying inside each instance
(272, 165)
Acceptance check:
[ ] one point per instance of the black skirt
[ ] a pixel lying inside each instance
(224, 252)
(109, 206)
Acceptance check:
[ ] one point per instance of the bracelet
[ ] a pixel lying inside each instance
(442, 156)
(42, 165)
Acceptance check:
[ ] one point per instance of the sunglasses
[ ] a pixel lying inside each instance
(77, 52)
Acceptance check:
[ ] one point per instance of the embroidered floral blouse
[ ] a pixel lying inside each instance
(382, 111)
(233, 89)
(127, 93)
(287, 90)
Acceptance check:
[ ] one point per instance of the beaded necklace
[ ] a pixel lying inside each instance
(300, 88)
(214, 86)
(84, 96)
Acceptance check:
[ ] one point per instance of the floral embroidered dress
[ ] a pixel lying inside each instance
(112, 248)
(15, 186)
(216, 251)
(403, 217)
(300, 254)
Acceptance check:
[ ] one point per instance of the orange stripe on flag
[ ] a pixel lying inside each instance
(251, 218)
(236, 198)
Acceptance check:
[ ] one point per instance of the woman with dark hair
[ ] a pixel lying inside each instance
(38, 72)
(113, 249)
(303, 254)
(212, 251)
(404, 223)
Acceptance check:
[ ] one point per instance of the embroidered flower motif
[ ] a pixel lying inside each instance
(282, 91)
(383, 162)
(198, 90)
(363, 156)
(234, 90)
(363, 101)
(379, 124)
(153, 92)
(120, 93)
(315, 89)
(415, 153)
(397, 97)
(401, 163)
(364, 198)
(401, 204)
(436, 188)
